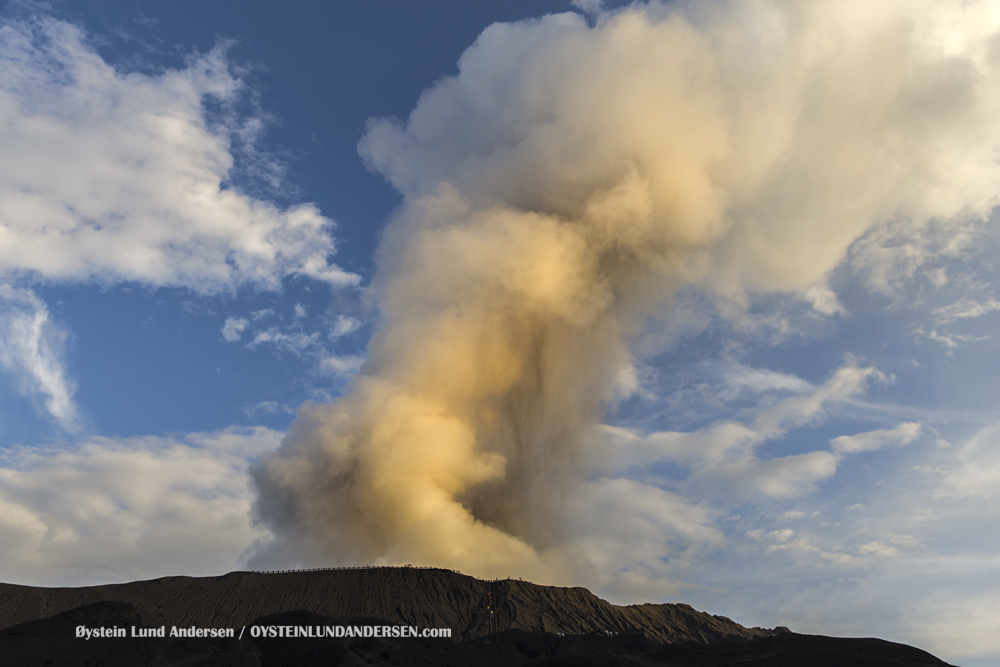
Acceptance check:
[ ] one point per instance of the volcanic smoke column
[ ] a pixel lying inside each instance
(558, 190)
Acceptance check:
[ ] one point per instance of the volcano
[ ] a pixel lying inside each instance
(491, 622)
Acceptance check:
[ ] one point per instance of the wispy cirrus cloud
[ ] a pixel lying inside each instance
(32, 353)
(965, 308)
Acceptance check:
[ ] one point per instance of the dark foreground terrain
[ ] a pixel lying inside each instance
(529, 625)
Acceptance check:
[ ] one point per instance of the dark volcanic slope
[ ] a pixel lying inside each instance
(51, 641)
(430, 598)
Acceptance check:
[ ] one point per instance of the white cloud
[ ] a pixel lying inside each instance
(124, 509)
(788, 541)
(784, 477)
(32, 352)
(233, 328)
(938, 277)
(739, 379)
(733, 442)
(344, 325)
(626, 381)
(809, 549)
(698, 448)
(904, 556)
(824, 301)
(721, 459)
(890, 255)
(268, 408)
(965, 308)
(976, 471)
(263, 408)
(799, 410)
(108, 176)
(950, 341)
(296, 342)
(782, 535)
(894, 586)
(962, 625)
(903, 434)
(588, 6)
(878, 549)
(343, 366)
(633, 540)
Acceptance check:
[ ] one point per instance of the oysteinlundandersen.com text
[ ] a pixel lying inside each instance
(321, 631)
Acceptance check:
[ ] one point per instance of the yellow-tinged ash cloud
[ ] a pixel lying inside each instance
(559, 189)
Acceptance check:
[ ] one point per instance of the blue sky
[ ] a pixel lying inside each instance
(772, 392)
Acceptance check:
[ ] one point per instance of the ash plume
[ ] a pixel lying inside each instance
(558, 190)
